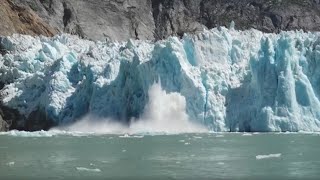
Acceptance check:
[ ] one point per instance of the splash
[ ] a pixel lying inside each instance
(164, 113)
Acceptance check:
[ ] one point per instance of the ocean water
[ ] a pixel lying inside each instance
(184, 156)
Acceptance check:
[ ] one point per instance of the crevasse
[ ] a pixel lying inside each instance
(231, 80)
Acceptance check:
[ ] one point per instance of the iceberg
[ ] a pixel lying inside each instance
(231, 80)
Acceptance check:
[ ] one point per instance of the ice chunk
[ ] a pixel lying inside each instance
(11, 163)
(88, 169)
(268, 156)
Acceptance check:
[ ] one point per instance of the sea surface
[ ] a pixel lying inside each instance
(44, 155)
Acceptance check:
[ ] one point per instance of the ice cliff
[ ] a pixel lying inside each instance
(231, 80)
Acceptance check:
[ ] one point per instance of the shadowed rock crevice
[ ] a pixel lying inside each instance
(37, 120)
(67, 14)
(48, 5)
(10, 119)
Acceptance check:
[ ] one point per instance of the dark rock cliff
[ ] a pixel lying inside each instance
(179, 16)
(158, 19)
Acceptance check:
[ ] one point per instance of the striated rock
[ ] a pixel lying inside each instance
(21, 19)
(153, 19)
(97, 19)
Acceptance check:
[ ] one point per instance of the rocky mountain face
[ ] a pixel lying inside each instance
(143, 19)
(96, 19)
(15, 18)
(153, 19)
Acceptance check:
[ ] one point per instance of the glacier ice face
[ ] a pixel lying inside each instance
(231, 80)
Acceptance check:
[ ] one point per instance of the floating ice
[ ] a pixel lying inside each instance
(268, 156)
(10, 164)
(219, 136)
(88, 169)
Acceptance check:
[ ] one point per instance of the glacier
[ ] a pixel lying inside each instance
(231, 80)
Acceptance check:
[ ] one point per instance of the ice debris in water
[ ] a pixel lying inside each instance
(231, 80)
(88, 169)
(268, 156)
(10, 164)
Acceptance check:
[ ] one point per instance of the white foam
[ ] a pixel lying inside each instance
(268, 156)
(220, 135)
(246, 134)
(28, 134)
(42, 133)
(88, 169)
(131, 136)
(165, 112)
(124, 136)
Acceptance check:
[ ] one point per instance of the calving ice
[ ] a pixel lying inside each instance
(164, 113)
(229, 80)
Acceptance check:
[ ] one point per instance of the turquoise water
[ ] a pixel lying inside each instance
(184, 156)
